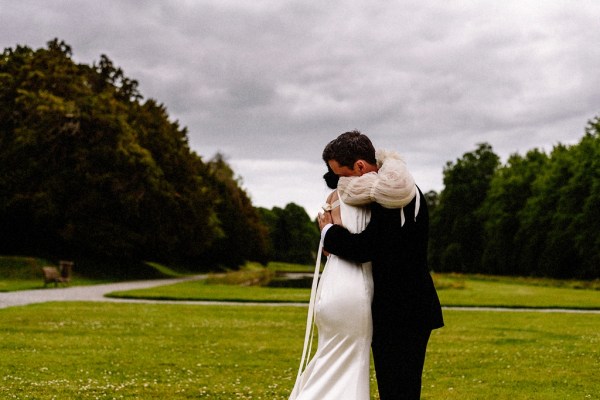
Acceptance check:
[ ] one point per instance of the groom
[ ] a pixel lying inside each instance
(405, 304)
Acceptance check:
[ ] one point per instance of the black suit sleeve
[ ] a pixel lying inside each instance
(358, 247)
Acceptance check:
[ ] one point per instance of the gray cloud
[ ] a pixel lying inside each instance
(269, 83)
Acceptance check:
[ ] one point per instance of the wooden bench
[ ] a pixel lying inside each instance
(51, 275)
(66, 269)
(58, 275)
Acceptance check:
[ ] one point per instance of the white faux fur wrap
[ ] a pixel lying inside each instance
(392, 186)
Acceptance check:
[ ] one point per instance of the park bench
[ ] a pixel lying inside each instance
(58, 275)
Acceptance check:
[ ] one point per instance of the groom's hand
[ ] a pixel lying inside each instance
(324, 219)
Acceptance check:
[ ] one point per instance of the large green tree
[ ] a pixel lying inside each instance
(510, 189)
(90, 170)
(456, 242)
(244, 236)
(537, 215)
(558, 233)
(294, 237)
(585, 226)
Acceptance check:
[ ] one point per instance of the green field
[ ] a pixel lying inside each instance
(200, 290)
(169, 351)
(141, 351)
(474, 290)
(454, 290)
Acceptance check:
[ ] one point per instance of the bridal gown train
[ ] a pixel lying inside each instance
(339, 369)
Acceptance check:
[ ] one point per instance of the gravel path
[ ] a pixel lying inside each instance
(81, 293)
(98, 292)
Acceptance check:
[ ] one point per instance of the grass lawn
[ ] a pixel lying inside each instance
(11, 285)
(201, 290)
(454, 290)
(487, 355)
(161, 351)
(473, 290)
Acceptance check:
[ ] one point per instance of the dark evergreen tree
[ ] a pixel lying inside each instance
(433, 200)
(456, 241)
(510, 189)
(244, 236)
(586, 223)
(90, 170)
(294, 237)
(559, 221)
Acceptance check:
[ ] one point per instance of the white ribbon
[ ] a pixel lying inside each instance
(310, 318)
(417, 207)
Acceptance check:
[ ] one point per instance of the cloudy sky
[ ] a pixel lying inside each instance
(269, 82)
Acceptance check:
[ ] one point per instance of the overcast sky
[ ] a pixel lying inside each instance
(270, 83)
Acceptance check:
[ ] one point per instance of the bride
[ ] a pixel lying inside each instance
(342, 300)
(342, 309)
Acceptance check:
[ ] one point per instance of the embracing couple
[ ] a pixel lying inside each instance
(375, 291)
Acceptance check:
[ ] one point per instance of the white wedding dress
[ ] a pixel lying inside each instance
(339, 369)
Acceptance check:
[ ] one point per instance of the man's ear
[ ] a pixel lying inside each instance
(360, 166)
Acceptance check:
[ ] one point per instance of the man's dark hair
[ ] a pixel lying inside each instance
(348, 148)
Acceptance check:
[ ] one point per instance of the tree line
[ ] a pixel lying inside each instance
(536, 215)
(89, 170)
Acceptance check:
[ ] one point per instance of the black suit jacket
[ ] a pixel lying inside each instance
(405, 296)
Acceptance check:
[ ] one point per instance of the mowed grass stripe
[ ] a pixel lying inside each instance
(158, 351)
(453, 291)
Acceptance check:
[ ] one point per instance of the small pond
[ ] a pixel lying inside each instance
(292, 280)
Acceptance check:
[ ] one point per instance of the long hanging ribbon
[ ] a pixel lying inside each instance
(417, 207)
(310, 318)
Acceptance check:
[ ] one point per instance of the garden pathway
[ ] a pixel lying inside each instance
(81, 293)
(98, 292)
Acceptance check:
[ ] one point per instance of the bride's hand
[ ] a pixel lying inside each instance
(324, 219)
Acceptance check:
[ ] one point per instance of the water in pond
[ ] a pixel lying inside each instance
(292, 280)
